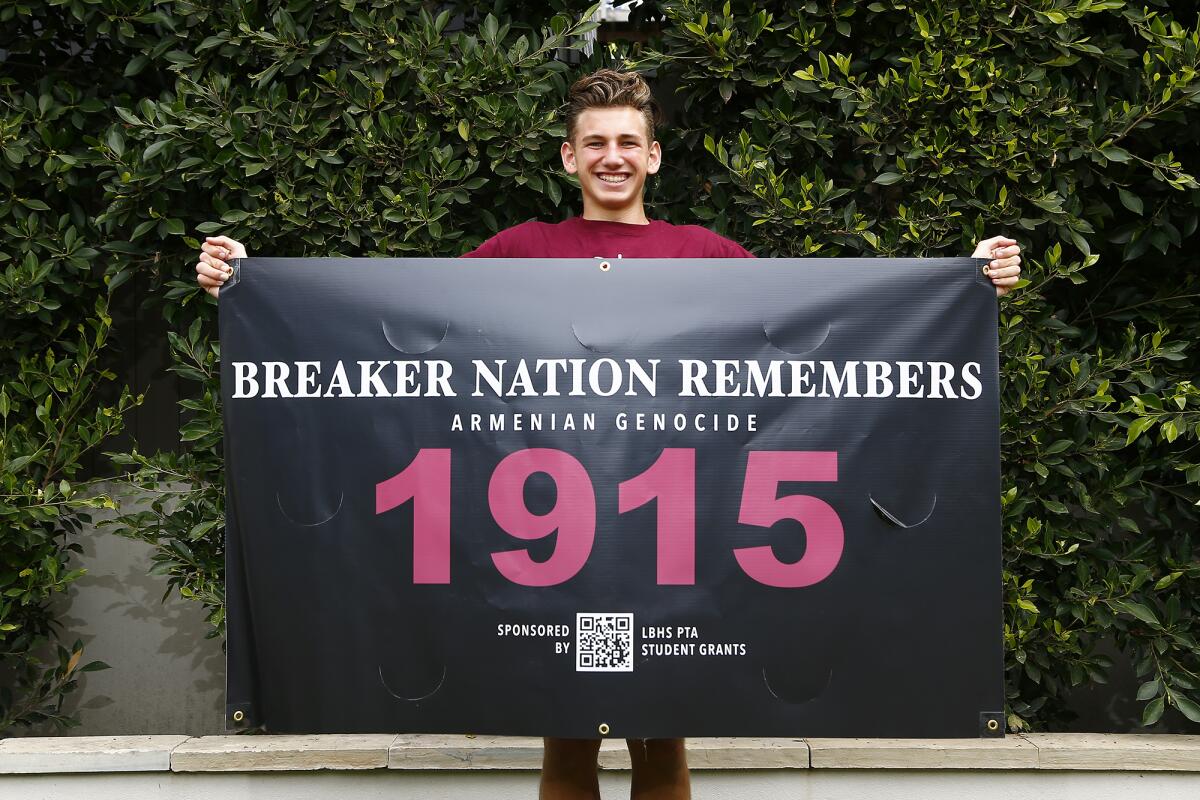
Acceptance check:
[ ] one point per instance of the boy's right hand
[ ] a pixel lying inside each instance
(211, 269)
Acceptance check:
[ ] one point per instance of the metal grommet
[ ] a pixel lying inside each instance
(993, 725)
(987, 270)
(605, 266)
(238, 716)
(603, 729)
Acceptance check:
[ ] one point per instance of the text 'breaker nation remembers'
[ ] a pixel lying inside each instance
(605, 377)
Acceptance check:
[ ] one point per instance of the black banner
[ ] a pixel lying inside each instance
(637, 498)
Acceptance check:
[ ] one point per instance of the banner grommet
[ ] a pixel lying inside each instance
(991, 724)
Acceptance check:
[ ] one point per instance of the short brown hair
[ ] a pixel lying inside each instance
(607, 88)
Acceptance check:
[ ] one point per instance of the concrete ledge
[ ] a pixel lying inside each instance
(1011, 752)
(510, 752)
(725, 753)
(250, 753)
(422, 753)
(87, 754)
(435, 751)
(1101, 751)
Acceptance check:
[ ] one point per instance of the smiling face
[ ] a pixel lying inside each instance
(612, 154)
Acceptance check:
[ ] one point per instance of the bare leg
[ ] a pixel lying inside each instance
(659, 770)
(569, 770)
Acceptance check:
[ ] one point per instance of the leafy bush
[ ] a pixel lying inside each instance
(57, 404)
(50, 418)
(397, 128)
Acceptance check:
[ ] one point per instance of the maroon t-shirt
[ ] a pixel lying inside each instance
(587, 238)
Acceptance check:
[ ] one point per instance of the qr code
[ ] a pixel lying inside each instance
(604, 642)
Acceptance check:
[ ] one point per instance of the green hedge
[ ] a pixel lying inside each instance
(405, 128)
(57, 401)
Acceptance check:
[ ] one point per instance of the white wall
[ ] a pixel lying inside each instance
(508, 785)
(165, 677)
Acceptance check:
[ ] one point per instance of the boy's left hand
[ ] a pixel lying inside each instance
(1005, 266)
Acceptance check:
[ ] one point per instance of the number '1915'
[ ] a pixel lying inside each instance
(671, 481)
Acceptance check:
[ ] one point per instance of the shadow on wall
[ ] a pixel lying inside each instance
(165, 676)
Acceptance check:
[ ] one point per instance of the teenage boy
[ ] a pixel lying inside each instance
(610, 146)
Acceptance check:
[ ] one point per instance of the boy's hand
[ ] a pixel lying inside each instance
(211, 269)
(1005, 267)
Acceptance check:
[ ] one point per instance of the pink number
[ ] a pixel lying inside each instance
(765, 469)
(672, 481)
(573, 516)
(426, 481)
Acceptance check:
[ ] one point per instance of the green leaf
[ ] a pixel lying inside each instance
(162, 567)
(20, 462)
(153, 150)
(122, 247)
(1153, 712)
(200, 529)
(1137, 428)
(1149, 689)
(116, 142)
(119, 277)
(136, 65)
(887, 178)
(1130, 201)
(1189, 708)
(490, 28)
(1114, 153)
(211, 41)
(1054, 506)
(1167, 580)
(1137, 610)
